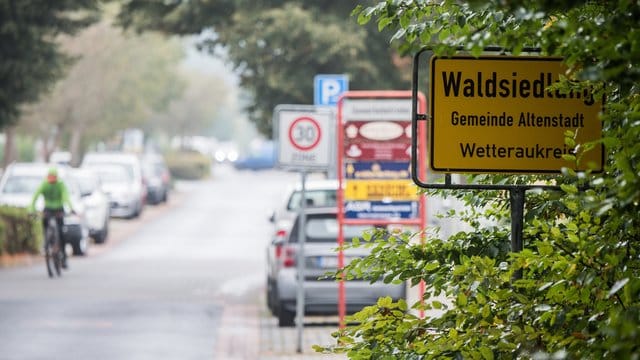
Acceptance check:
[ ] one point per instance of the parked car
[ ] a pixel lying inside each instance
(127, 193)
(319, 193)
(21, 180)
(320, 257)
(96, 203)
(157, 177)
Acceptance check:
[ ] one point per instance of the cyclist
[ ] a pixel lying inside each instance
(56, 196)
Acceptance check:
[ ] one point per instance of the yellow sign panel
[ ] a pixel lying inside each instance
(497, 114)
(393, 190)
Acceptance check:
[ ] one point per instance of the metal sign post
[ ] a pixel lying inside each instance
(303, 143)
(300, 262)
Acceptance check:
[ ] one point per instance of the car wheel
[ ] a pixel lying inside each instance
(269, 302)
(101, 236)
(285, 317)
(271, 297)
(80, 246)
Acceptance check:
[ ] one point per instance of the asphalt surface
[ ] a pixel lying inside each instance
(149, 293)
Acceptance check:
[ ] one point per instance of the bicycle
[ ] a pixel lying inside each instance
(53, 248)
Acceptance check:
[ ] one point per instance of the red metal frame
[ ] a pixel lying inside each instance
(422, 146)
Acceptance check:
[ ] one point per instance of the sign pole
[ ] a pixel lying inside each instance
(516, 200)
(300, 262)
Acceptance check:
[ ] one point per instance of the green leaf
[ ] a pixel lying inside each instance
(433, 265)
(384, 22)
(569, 188)
(487, 353)
(462, 299)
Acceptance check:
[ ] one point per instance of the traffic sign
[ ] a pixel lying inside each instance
(497, 114)
(328, 88)
(304, 135)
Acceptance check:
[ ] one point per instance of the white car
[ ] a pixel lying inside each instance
(21, 180)
(96, 201)
(125, 187)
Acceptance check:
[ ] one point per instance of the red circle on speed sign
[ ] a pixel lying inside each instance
(304, 133)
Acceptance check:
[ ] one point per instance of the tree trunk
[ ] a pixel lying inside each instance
(9, 146)
(74, 144)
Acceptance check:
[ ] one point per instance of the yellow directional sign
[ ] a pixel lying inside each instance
(498, 114)
(393, 190)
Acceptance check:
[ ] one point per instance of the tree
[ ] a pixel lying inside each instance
(118, 81)
(579, 295)
(278, 46)
(30, 58)
(195, 112)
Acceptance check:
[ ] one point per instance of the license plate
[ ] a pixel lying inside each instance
(327, 262)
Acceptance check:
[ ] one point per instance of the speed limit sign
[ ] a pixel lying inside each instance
(304, 136)
(305, 133)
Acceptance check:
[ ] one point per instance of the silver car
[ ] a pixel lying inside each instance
(126, 187)
(320, 257)
(318, 193)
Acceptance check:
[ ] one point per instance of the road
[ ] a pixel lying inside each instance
(184, 281)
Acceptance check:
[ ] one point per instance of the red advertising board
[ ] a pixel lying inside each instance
(375, 147)
(377, 140)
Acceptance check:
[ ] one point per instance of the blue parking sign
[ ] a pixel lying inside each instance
(327, 88)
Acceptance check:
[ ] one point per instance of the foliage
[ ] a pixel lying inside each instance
(118, 81)
(579, 294)
(19, 231)
(204, 97)
(30, 59)
(277, 47)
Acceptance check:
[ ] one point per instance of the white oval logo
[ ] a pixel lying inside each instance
(381, 130)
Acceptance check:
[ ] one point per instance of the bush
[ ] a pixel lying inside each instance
(19, 231)
(188, 165)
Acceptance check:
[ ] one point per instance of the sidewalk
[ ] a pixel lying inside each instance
(249, 332)
(281, 343)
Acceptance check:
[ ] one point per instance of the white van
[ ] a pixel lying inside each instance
(122, 179)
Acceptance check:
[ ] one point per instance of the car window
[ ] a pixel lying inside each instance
(315, 198)
(112, 174)
(325, 229)
(22, 184)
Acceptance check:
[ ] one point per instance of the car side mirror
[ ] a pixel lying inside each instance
(272, 217)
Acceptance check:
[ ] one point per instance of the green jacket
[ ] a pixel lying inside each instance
(55, 195)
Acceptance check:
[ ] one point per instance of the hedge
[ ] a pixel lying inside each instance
(188, 165)
(20, 232)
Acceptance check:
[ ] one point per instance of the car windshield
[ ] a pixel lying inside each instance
(325, 229)
(22, 184)
(315, 198)
(112, 174)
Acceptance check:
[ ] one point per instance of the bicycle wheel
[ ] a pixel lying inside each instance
(49, 256)
(54, 259)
